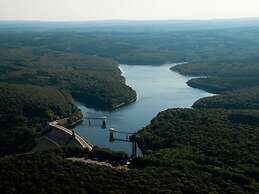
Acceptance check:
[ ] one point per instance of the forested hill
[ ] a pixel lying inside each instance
(220, 146)
(228, 56)
(50, 173)
(247, 98)
(228, 59)
(93, 80)
(209, 49)
(35, 102)
(194, 151)
(203, 150)
(25, 110)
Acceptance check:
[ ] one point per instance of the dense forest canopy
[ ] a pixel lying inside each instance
(94, 80)
(208, 47)
(186, 150)
(213, 141)
(31, 173)
(247, 98)
(25, 111)
(228, 55)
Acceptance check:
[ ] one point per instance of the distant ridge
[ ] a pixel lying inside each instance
(129, 25)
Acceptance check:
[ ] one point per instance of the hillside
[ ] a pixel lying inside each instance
(25, 110)
(209, 141)
(212, 148)
(247, 98)
(64, 176)
(95, 81)
(228, 56)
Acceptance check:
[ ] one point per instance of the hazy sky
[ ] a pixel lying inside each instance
(126, 9)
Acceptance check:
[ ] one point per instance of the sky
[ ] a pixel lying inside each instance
(81, 10)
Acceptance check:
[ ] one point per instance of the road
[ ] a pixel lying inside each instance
(89, 161)
(78, 138)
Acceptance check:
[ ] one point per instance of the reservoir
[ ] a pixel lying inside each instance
(158, 88)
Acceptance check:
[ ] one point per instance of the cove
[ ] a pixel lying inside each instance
(158, 88)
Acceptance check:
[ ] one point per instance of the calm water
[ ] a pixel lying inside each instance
(158, 88)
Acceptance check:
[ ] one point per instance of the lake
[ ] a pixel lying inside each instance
(158, 88)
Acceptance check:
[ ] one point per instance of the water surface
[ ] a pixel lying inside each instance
(158, 88)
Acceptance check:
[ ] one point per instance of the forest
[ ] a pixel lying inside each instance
(247, 98)
(212, 148)
(221, 144)
(180, 173)
(227, 56)
(198, 166)
(25, 111)
(92, 80)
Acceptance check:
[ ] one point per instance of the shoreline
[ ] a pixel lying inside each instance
(115, 107)
(193, 77)
(134, 99)
(124, 103)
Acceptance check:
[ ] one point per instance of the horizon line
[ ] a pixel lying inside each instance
(130, 20)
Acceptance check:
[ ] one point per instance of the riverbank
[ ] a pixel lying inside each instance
(157, 89)
(220, 78)
(124, 104)
(197, 81)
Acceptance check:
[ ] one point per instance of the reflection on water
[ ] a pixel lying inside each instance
(157, 87)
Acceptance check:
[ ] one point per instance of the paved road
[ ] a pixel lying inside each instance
(89, 161)
(78, 138)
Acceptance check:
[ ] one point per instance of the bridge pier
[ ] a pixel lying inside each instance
(101, 119)
(134, 149)
(133, 139)
(104, 124)
(73, 134)
(111, 139)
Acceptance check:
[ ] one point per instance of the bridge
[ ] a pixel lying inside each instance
(95, 118)
(121, 132)
(101, 118)
(130, 137)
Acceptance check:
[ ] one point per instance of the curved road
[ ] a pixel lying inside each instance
(78, 138)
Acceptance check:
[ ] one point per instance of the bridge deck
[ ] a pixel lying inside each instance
(122, 132)
(96, 118)
(78, 138)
